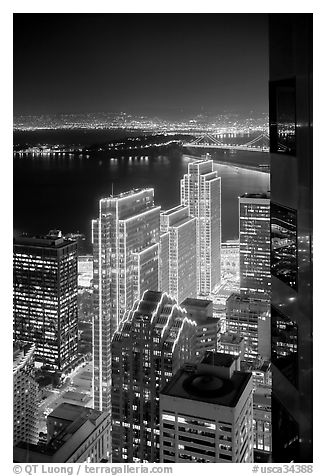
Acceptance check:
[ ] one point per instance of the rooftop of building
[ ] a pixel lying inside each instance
(67, 411)
(183, 221)
(22, 351)
(256, 195)
(53, 239)
(231, 242)
(149, 302)
(218, 359)
(205, 383)
(206, 321)
(128, 193)
(160, 310)
(173, 210)
(244, 298)
(231, 339)
(201, 303)
(76, 415)
(72, 412)
(204, 166)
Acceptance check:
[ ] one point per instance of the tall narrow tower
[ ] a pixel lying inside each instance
(248, 313)
(178, 270)
(125, 246)
(25, 394)
(254, 228)
(201, 192)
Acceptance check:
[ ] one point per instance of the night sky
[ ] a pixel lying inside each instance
(172, 65)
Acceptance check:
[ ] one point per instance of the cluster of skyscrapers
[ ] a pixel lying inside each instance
(153, 274)
(168, 384)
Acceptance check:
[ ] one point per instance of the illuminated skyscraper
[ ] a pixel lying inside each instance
(25, 393)
(151, 344)
(45, 297)
(125, 251)
(201, 192)
(178, 264)
(206, 413)
(250, 319)
(230, 259)
(254, 228)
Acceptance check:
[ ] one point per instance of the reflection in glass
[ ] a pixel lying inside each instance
(285, 345)
(283, 116)
(285, 434)
(284, 263)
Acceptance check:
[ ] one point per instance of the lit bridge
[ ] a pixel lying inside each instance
(209, 141)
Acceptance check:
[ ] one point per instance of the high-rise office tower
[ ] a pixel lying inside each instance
(45, 297)
(201, 192)
(152, 342)
(178, 263)
(250, 319)
(230, 259)
(206, 413)
(262, 424)
(254, 229)
(208, 328)
(232, 344)
(125, 247)
(290, 114)
(25, 394)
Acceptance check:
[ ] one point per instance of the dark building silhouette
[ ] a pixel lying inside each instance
(290, 56)
(75, 434)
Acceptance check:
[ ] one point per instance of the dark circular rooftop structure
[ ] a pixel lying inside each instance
(207, 385)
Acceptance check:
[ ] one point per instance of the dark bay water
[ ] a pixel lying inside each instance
(64, 192)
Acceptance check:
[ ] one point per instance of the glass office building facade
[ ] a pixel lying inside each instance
(201, 192)
(125, 241)
(254, 230)
(290, 54)
(45, 298)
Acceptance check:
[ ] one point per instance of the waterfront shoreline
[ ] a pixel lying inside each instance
(236, 165)
(241, 166)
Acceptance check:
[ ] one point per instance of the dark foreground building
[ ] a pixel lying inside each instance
(75, 434)
(290, 100)
(206, 413)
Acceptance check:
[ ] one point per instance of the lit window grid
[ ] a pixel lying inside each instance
(38, 299)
